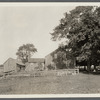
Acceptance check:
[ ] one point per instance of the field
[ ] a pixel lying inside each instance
(80, 83)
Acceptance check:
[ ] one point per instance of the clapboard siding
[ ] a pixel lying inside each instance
(10, 65)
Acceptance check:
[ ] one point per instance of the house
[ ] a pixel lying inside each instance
(35, 64)
(49, 59)
(69, 63)
(13, 65)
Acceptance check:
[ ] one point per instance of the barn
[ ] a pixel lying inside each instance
(9, 65)
(1, 70)
(35, 64)
(13, 65)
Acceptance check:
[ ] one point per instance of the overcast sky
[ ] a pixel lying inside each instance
(28, 24)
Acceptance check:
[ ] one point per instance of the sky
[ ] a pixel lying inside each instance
(21, 24)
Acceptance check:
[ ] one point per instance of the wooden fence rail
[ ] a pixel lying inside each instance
(56, 72)
(62, 72)
(68, 72)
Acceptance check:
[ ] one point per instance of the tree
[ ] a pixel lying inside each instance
(25, 52)
(82, 27)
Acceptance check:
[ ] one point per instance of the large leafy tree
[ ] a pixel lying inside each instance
(82, 27)
(26, 51)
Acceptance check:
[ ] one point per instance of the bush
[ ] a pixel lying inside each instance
(50, 67)
(61, 66)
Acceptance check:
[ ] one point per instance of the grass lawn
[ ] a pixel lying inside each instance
(80, 83)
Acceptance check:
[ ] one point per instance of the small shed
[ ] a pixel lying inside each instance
(20, 66)
(35, 64)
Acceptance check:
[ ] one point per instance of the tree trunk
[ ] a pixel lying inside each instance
(85, 68)
(88, 66)
(94, 67)
(74, 62)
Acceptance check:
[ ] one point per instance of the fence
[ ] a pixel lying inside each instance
(67, 72)
(56, 72)
(62, 72)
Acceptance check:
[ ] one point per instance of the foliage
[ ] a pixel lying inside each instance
(40, 66)
(82, 27)
(50, 67)
(25, 51)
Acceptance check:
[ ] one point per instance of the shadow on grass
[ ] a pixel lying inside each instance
(93, 73)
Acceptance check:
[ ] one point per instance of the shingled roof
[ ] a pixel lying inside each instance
(36, 60)
(20, 63)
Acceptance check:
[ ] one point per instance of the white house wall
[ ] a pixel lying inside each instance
(48, 60)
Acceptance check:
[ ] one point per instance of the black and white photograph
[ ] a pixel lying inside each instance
(49, 48)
